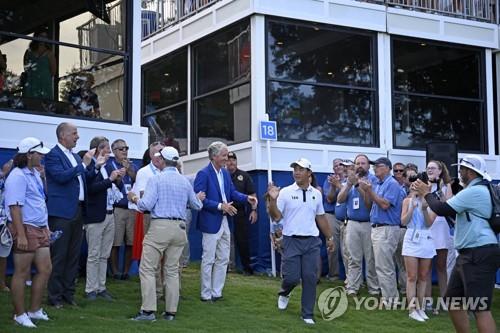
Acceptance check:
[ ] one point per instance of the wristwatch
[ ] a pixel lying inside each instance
(330, 238)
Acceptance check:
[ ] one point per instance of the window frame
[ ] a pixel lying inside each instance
(483, 139)
(127, 65)
(375, 75)
(194, 146)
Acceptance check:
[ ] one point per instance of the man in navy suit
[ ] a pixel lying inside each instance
(66, 176)
(216, 182)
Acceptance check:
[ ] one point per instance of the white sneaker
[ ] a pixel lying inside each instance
(422, 314)
(38, 315)
(308, 321)
(283, 302)
(24, 321)
(415, 316)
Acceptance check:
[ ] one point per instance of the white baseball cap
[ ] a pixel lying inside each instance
(303, 162)
(476, 163)
(30, 145)
(168, 153)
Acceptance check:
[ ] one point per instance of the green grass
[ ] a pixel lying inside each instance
(249, 305)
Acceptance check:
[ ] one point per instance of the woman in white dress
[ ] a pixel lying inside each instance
(441, 186)
(418, 251)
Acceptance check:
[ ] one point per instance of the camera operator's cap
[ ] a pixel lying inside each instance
(476, 163)
(346, 162)
(302, 162)
(30, 145)
(168, 153)
(382, 160)
(231, 155)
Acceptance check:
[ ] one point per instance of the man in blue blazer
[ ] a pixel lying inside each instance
(216, 182)
(66, 176)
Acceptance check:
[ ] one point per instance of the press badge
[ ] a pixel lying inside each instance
(128, 188)
(355, 203)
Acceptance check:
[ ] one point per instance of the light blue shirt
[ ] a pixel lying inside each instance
(390, 190)
(329, 207)
(24, 187)
(167, 194)
(477, 202)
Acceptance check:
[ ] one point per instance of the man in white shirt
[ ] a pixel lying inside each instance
(300, 207)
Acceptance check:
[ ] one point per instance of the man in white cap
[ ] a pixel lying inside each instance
(473, 277)
(166, 196)
(27, 213)
(300, 207)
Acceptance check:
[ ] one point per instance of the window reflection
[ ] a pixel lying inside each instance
(223, 59)
(321, 114)
(45, 77)
(419, 120)
(169, 127)
(315, 54)
(165, 82)
(224, 116)
(438, 95)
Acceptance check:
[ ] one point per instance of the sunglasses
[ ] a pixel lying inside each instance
(36, 146)
(399, 170)
(122, 148)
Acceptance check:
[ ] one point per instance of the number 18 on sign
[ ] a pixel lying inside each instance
(268, 130)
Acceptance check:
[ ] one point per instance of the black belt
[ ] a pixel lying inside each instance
(109, 211)
(168, 218)
(403, 227)
(331, 212)
(358, 221)
(146, 212)
(301, 237)
(378, 225)
(461, 251)
(81, 203)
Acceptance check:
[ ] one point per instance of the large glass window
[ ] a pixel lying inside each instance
(321, 83)
(68, 58)
(438, 95)
(164, 101)
(222, 87)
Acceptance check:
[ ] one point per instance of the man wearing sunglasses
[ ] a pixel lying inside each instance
(124, 217)
(473, 277)
(66, 174)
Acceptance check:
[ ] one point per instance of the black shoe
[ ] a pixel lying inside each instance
(169, 316)
(124, 277)
(117, 276)
(58, 305)
(206, 300)
(106, 295)
(91, 296)
(218, 298)
(247, 272)
(70, 302)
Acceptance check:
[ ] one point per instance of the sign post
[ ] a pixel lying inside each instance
(268, 131)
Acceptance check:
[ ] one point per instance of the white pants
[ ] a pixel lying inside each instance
(100, 240)
(214, 260)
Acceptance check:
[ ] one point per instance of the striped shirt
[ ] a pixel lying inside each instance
(167, 194)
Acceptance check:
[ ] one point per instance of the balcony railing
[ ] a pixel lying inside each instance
(159, 14)
(478, 10)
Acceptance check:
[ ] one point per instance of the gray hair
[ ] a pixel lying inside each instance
(170, 163)
(96, 141)
(61, 128)
(215, 148)
(115, 142)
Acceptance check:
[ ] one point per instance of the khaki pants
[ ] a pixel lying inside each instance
(385, 242)
(400, 263)
(167, 238)
(359, 246)
(338, 232)
(100, 240)
(214, 261)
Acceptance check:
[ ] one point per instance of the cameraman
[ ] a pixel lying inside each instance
(358, 230)
(479, 255)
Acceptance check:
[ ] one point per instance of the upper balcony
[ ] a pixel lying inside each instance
(157, 15)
